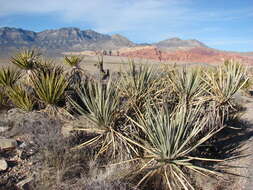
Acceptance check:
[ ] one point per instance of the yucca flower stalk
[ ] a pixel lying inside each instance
(9, 76)
(101, 103)
(50, 87)
(20, 98)
(170, 143)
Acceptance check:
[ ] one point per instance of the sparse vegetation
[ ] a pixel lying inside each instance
(160, 125)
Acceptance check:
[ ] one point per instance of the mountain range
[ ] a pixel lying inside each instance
(74, 39)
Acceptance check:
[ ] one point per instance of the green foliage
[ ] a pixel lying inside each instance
(9, 76)
(170, 143)
(50, 86)
(26, 59)
(19, 97)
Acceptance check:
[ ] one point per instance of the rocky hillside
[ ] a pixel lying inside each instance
(74, 39)
(62, 39)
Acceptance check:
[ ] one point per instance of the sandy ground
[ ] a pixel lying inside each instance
(113, 63)
(248, 116)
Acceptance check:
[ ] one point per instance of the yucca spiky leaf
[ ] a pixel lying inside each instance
(20, 98)
(26, 59)
(101, 109)
(50, 86)
(9, 76)
(171, 139)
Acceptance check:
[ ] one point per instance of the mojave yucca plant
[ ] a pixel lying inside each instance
(73, 61)
(169, 145)
(50, 87)
(20, 98)
(187, 84)
(9, 76)
(101, 107)
(137, 85)
(225, 82)
(75, 72)
(27, 60)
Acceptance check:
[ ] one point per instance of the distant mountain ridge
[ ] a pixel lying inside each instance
(179, 43)
(74, 39)
(61, 39)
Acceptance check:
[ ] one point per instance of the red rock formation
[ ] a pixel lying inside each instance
(193, 55)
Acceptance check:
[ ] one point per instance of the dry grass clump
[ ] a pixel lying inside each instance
(160, 125)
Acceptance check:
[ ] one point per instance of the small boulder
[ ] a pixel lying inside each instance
(3, 165)
(7, 143)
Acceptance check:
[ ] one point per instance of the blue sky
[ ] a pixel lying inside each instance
(221, 24)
